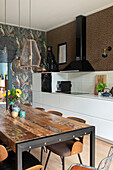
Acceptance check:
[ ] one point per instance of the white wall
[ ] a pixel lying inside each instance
(82, 81)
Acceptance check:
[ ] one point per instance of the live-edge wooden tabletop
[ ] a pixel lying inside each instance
(35, 125)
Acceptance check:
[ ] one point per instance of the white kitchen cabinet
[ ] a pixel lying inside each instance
(36, 105)
(36, 97)
(97, 111)
(36, 81)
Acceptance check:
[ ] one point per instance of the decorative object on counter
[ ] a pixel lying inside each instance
(51, 62)
(14, 114)
(99, 79)
(40, 69)
(106, 94)
(62, 53)
(105, 51)
(100, 88)
(30, 56)
(111, 91)
(22, 113)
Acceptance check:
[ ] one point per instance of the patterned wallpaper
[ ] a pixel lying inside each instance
(23, 81)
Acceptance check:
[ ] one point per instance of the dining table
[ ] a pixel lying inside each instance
(38, 129)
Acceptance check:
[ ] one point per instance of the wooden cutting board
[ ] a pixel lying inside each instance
(99, 79)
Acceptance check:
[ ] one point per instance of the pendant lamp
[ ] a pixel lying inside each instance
(7, 46)
(16, 62)
(30, 56)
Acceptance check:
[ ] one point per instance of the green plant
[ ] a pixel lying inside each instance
(101, 87)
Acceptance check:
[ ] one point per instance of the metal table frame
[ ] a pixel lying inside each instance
(31, 144)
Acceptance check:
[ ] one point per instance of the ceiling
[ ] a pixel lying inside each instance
(48, 14)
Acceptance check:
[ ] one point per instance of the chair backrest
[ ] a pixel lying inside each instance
(81, 121)
(55, 113)
(39, 108)
(106, 162)
(3, 153)
(77, 119)
(27, 104)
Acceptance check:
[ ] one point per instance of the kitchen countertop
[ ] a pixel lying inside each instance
(86, 95)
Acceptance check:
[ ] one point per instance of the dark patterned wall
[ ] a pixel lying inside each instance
(99, 34)
(60, 35)
(23, 81)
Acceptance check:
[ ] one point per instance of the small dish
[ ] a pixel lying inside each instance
(106, 94)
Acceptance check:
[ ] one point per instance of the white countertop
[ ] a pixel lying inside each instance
(91, 96)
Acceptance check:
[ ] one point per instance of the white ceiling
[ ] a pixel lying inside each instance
(48, 14)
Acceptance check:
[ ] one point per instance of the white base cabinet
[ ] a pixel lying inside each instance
(95, 110)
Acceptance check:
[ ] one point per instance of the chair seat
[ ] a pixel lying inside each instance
(62, 148)
(10, 163)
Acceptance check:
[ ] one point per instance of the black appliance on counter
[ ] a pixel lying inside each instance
(64, 86)
(46, 82)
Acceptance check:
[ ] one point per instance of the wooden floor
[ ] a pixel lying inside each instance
(54, 163)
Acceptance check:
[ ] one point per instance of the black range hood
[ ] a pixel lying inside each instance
(80, 63)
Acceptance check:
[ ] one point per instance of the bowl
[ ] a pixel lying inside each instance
(106, 94)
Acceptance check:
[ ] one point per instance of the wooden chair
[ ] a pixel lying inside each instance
(67, 148)
(3, 153)
(103, 165)
(55, 113)
(8, 160)
(27, 104)
(40, 108)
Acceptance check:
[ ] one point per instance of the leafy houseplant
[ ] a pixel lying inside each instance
(101, 87)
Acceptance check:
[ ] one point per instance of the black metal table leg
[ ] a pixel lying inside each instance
(92, 148)
(48, 140)
(19, 158)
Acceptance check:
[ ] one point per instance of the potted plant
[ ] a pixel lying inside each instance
(100, 88)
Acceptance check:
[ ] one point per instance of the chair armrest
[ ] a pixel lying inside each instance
(77, 148)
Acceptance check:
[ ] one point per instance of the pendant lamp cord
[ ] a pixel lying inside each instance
(5, 12)
(19, 13)
(30, 14)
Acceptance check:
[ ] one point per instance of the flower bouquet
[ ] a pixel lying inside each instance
(13, 96)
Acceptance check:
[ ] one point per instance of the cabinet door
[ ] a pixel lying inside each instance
(50, 99)
(36, 81)
(36, 97)
(36, 105)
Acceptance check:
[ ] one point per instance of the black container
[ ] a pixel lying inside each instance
(64, 86)
(46, 82)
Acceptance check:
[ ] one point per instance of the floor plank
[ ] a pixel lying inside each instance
(54, 163)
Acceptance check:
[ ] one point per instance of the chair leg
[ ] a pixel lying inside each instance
(79, 157)
(63, 163)
(42, 148)
(47, 160)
